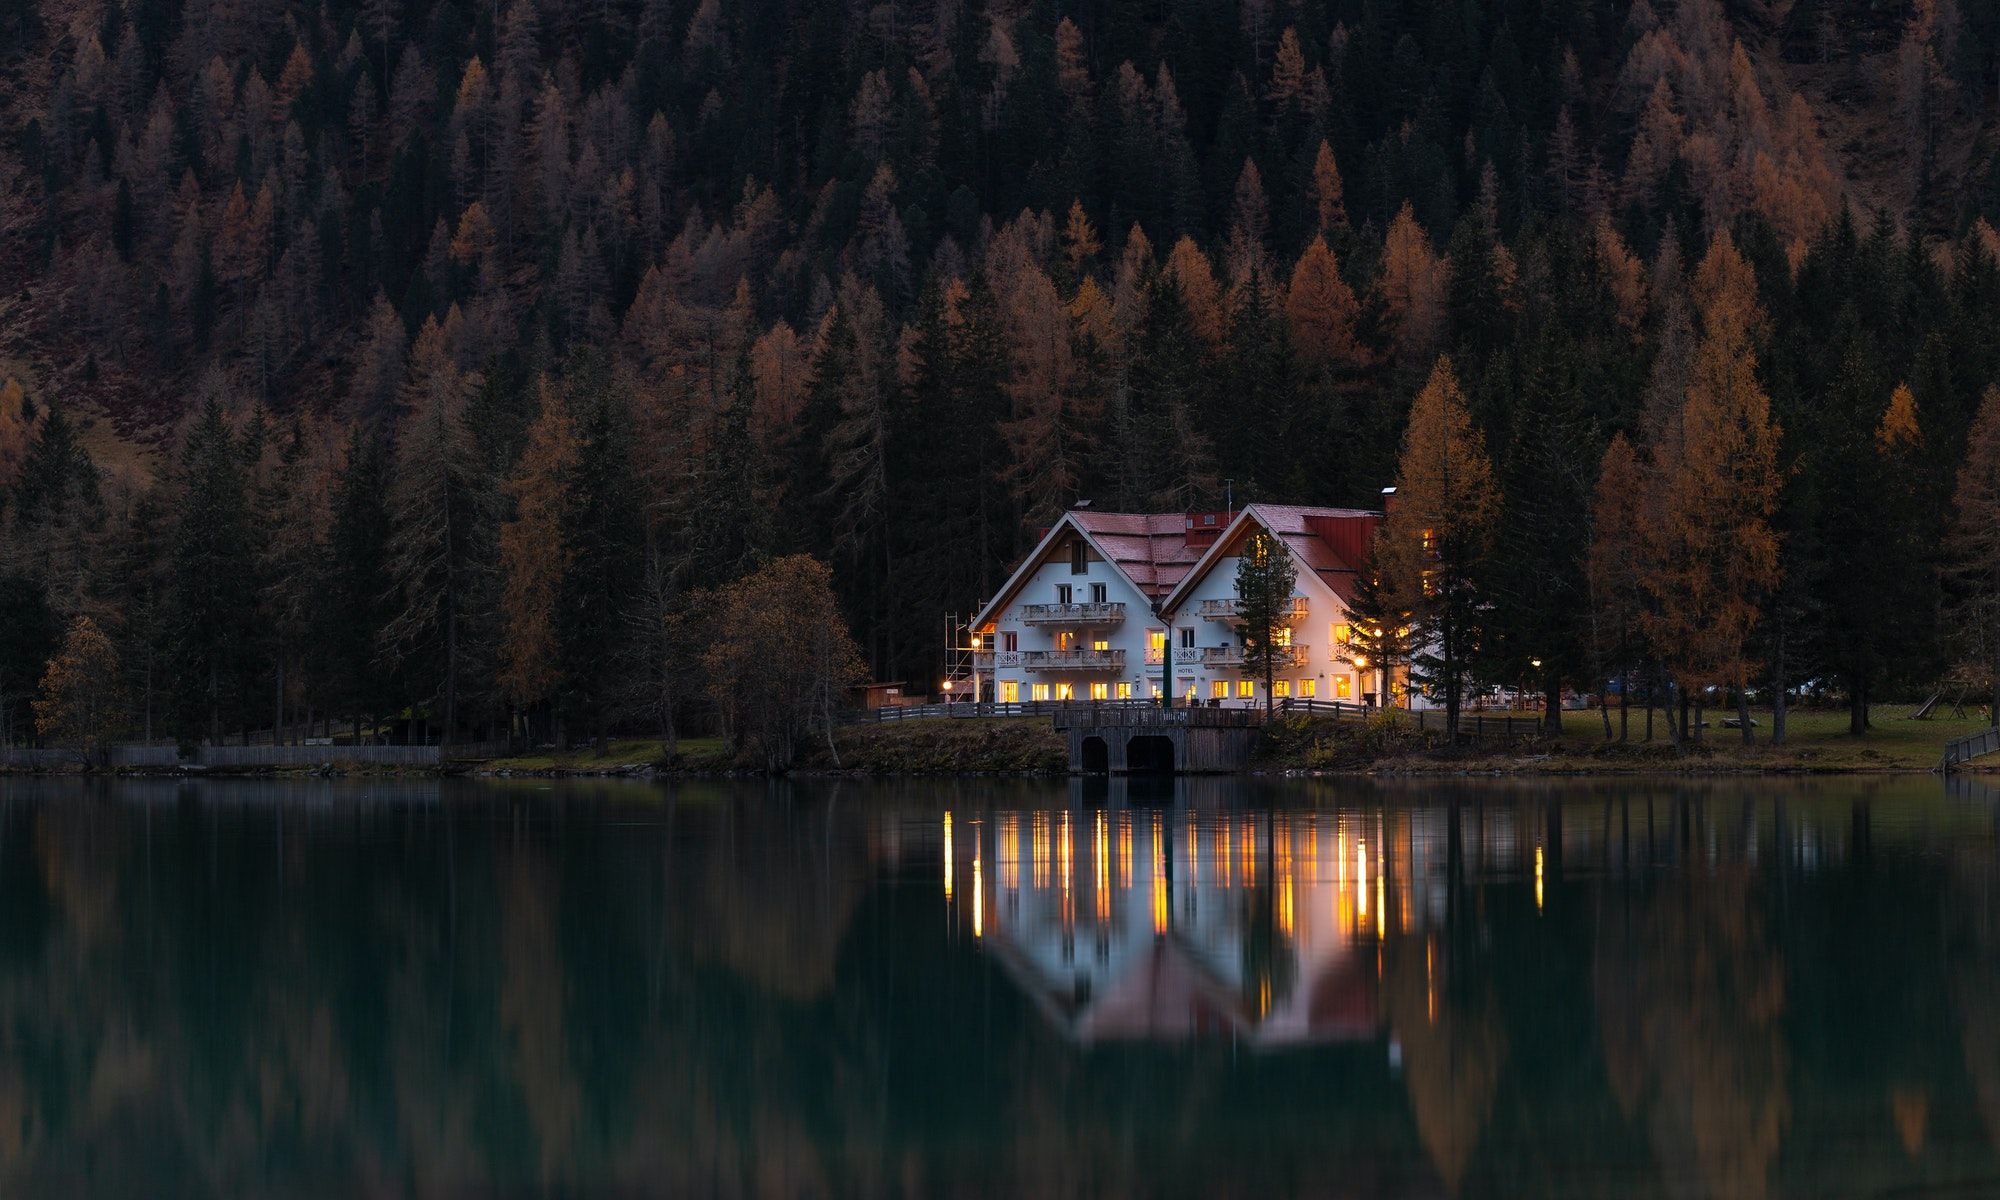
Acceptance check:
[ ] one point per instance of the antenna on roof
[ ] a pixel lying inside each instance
(1229, 496)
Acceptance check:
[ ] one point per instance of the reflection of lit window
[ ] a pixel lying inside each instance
(1308, 688)
(1245, 689)
(1124, 691)
(1038, 691)
(1100, 691)
(1343, 686)
(1218, 689)
(1010, 691)
(1281, 688)
(1065, 691)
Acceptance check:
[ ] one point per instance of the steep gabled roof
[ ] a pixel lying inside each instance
(1325, 542)
(1122, 539)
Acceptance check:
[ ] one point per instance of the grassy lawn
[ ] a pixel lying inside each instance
(1814, 737)
(620, 752)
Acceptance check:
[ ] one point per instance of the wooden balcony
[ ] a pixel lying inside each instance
(1073, 660)
(1226, 610)
(1087, 613)
(1231, 657)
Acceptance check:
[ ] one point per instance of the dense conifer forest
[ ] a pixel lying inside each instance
(447, 363)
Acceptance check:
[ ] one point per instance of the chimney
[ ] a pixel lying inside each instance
(1388, 500)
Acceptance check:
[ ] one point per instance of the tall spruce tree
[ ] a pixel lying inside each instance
(1265, 577)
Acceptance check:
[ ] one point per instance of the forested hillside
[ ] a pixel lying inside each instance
(441, 358)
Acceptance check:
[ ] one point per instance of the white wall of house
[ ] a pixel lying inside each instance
(1018, 638)
(1320, 674)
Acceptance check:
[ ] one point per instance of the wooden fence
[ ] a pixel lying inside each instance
(1474, 725)
(1971, 746)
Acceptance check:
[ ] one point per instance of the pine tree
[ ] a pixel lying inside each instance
(1617, 519)
(1265, 578)
(441, 509)
(212, 591)
(353, 615)
(1975, 539)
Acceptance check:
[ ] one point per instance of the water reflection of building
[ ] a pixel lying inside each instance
(1182, 921)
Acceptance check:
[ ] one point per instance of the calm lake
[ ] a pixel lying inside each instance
(1617, 989)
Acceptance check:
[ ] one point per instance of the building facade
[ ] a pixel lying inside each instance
(1121, 606)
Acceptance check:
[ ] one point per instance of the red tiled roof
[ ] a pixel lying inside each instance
(1329, 541)
(1151, 548)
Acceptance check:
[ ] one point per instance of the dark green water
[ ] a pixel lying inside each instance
(1623, 989)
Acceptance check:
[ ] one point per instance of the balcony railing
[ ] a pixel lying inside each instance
(1073, 660)
(1097, 612)
(1232, 656)
(1226, 610)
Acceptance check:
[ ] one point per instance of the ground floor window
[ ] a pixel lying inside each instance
(1124, 691)
(1218, 690)
(1245, 689)
(1343, 686)
(1010, 691)
(1100, 691)
(1308, 688)
(1281, 688)
(1038, 691)
(1065, 691)
(1156, 691)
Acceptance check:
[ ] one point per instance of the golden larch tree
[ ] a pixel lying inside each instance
(1975, 538)
(533, 557)
(1439, 530)
(81, 702)
(1321, 308)
(1712, 554)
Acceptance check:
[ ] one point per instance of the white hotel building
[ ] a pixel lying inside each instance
(1106, 600)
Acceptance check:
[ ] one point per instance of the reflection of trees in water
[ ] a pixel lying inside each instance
(1690, 994)
(1455, 1047)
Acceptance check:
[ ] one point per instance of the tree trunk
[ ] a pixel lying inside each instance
(1676, 729)
(1624, 706)
(1552, 691)
(1857, 705)
(1778, 686)
(1604, 704)
(1743, 714)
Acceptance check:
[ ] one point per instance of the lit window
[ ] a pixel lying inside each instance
(1100, 644)
(1281, 688)
(1065, 691)
(1190, 694)
(1038, 691)
(1308, 688)
(1343, 686)
(1343, 634)
(1065, 640)
(1100, 691)
(1430, 539)
(1010, 691)
(1282, 635)
(1218, 689)
(1155, 690)
(1124, 691)
(1245, 689)
(1156, 639)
